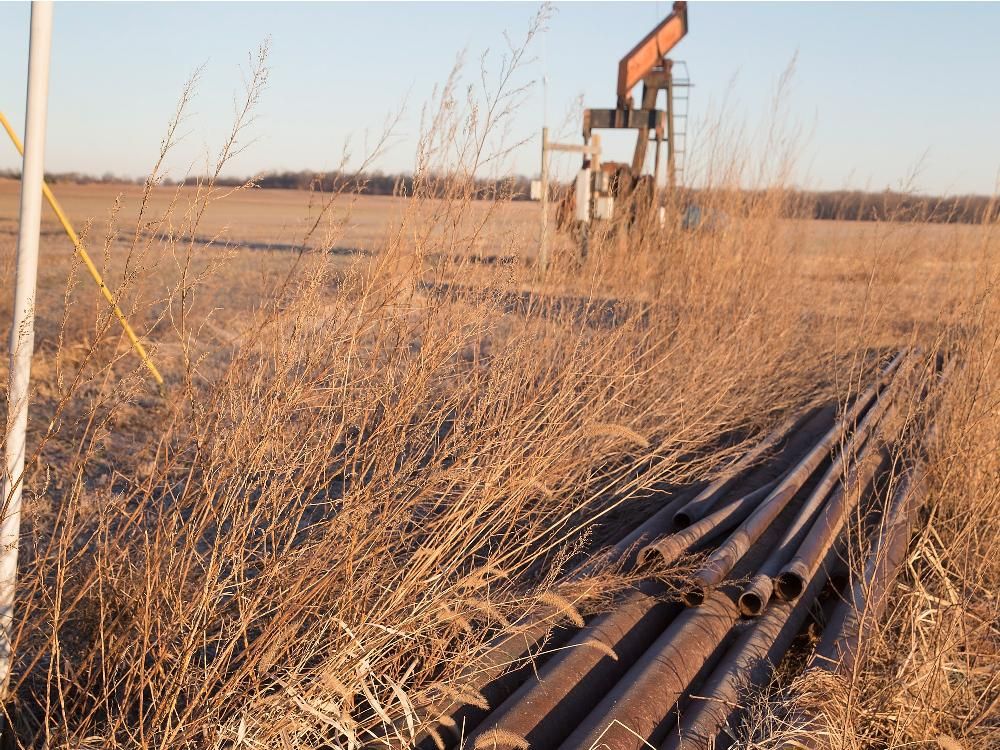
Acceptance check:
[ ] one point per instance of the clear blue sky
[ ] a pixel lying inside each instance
(880, 89)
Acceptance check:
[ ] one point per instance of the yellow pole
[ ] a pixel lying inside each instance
(68, 228)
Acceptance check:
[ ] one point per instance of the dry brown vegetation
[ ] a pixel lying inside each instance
(369, 464)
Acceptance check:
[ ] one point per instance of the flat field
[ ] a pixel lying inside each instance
(259, 232)
(384, 432)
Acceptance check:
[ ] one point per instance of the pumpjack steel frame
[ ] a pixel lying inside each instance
(599, 185)
(646, 63)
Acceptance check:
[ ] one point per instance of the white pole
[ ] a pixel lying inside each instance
(22, 332)
(543, 244)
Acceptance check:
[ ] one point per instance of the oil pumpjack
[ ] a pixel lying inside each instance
(602, 185)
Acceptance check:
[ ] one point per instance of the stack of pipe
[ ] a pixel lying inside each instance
(867, 596)
(862, 601)
(773, 530)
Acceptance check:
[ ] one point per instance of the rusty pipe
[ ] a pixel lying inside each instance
(721, 562)
(709, 497)
(732, 513)
(789, 583)
(866, 598)
(750, 663)
(642, 705)
(626, 551)
(671, 547)
(637, 708)
(794, 574)
(493, 678)
(862, 608)
(758, 592)
(544, 710)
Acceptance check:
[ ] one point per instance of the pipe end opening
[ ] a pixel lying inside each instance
(751, 604)
(694, 596)
(788, 586)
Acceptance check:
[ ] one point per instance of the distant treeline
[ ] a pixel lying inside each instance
(855, 205)
(369, 183)
(851, 205)
(378, 183)
(846, 205)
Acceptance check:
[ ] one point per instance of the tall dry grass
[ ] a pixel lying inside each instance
(927, 675)
(322, 529)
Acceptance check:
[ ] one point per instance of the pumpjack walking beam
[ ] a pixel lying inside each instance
(648, 53)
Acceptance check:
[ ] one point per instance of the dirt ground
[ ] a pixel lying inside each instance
(257, 217)
(249, 239)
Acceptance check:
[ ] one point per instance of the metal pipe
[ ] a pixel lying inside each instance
(860, 611)
(636, 710)
(792, 578)
(855, 615)
(513, 716)
(507, 649)
(626, 552)
(641, 707)
(493, 678)
(708, 498)
(750, 663)
(22, 332)
(756, 596)
(546, 708)
(489, 675)
(688, 636)
(721, 562)
(758, 592)
(671, 547)
(671, 146)
(789, 583)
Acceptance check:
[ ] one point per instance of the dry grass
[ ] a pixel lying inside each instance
(357, 479)
(928, 674)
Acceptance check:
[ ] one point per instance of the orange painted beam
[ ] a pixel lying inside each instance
(648, 53)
